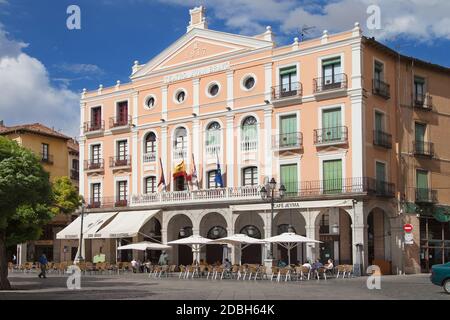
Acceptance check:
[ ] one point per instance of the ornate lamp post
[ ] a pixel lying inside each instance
(268, 195)
(80, 255)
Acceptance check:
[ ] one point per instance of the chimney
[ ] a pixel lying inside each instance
(198, 18)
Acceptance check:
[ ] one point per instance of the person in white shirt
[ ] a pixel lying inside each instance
(307, 264)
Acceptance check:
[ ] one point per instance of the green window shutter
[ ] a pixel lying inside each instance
(288, 70)
(420, 137)
(289, 176)
(331, 123)
(381, 171)
(422, 184)
(332, 176)
(331, 61)
(378, 121)
(288, 129)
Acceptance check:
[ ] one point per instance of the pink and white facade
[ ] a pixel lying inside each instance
(298, 113)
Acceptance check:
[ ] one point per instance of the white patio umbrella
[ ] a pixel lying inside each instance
(240, 241)
(196, 242)
(290, 240)
(146, 245)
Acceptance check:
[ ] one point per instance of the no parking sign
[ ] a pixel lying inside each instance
(409, 238)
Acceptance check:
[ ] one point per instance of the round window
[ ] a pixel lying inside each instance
(150, 102)
(180, 96)
(249, 83)
(214, 89)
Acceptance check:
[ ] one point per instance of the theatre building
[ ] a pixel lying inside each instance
(187, 145)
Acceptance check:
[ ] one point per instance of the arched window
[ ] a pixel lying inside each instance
(213, 138)
(251, 231)
(249, 134)
(217, 232)
(250, 176)
(180, 143)
(150, 147)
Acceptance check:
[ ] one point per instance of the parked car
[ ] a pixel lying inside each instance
(440, 276)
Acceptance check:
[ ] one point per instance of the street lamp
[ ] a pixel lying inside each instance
(80, 254)
(268, 195)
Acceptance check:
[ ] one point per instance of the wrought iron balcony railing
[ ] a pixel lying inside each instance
(328, 136)
(121, 121)
(338, 81)
(149, 157)
(423, 101)
(285, 141)
(382, 139)
(381, 88)
(107, 202)
(287, 90)
(120, 161)
(422, 148)
(92, 126)
(46, 158)
(74, 174)
(93, 164)
(425, 195)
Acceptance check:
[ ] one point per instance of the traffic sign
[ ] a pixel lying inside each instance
(408, 228)
(409, 238)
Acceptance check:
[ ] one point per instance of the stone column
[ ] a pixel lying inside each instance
(230, 151)
(359, 237)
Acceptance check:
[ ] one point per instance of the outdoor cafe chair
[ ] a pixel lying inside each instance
(234, 271)
(284, 272)
(321, 271)
(156, 271)
(209, 271)
(261, 273)
(348, 270)
(242, 270)
(202, 270)
(274, 274)
(172, 269)
(183, 271)
(164, 271)
(218, 270)
(252, 270)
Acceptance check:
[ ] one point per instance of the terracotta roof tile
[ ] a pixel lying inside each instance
(33, 128)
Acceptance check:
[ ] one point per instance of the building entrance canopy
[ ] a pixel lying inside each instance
(126, 224)
(91, 224)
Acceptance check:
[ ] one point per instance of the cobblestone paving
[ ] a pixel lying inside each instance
(140, 286)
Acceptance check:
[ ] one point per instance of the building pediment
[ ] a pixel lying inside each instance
(199, 45)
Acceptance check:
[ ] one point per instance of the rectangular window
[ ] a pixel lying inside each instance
(95, 153)
(422, 191)
(75, 164)
(289, 178)
(122, 190)
(150, 185)
(288, 130)
(122, 113)
(95, 193)
(250, 177)
(332, 176)
(420, 130)
(419, 89)
(212, 179)
(122, 150)
(45, 151)
(379, 121)
(380, 177)
(288, 80)
(96, 118)
(332, 125)
(378, 71)
(331, 73)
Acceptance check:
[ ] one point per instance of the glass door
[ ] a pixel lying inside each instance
(289, 178)
(331, 73)
(420, 130)
(422, 185)
(288, 80)
(380, 177)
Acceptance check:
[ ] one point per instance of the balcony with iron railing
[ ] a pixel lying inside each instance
(120, 123)
(120, 161)
(334, 85)
(212, 150)
(149, 157)
(179, 154)
(423, 102)
(287, 141)
(75, 174)
(423, 149)
(426, 196)
(94, 165)
(382, 139)
(92, 127)
(331, 136)
(107, 202)
(320, 189)
(46, 158)
(381, 88)
(287, 93)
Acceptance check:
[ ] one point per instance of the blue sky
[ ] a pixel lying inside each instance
(116, 32)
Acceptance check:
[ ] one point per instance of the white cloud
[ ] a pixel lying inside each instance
(81, 68)
(27, 95)
(422, 20)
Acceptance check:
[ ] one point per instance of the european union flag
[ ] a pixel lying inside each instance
(218, 179)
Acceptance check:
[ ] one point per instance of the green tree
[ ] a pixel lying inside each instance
(66, 198)
(25, 199)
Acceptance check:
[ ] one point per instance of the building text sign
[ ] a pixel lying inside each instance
(197, 73)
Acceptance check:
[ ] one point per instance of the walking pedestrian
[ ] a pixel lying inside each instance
(43, 262)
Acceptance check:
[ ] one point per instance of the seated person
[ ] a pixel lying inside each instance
(329, 265)
(134, 265)
(307, 264)
(227, 264)
(281, 264)
(317, 265)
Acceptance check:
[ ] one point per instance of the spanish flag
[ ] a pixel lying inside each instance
(180, 170)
